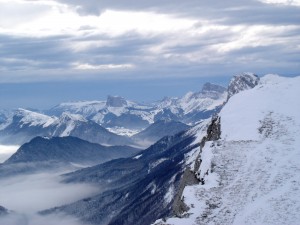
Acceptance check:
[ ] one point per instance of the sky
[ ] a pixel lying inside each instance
(62, 50)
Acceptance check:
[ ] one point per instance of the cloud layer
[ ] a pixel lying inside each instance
(25, 195)
(6, 151)
(58, 40)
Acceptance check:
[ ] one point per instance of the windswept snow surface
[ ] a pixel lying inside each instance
(251, 175)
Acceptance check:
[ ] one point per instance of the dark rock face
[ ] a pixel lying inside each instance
(67, 149)
(214, 129)
(242, 82)
(190, 174)
(188, 178)
(115, 101)
(137, 190)
(209, 87)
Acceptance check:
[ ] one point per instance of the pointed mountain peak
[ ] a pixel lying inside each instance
(115, 101)
(242, 82)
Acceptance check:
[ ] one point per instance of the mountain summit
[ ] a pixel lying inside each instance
(242, 82)
(115, 101)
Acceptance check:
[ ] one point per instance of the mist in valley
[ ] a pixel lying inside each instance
(25, 195)
(6, 151)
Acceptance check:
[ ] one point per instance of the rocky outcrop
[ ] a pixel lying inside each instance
(242, 82)
(189, 176)
(209, 87)
(115, 101)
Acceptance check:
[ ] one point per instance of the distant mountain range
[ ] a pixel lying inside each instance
(25, 125)
(119, 112)
(106, 122)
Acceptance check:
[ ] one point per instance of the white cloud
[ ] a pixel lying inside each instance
(86, 66)
(282, 2)
(32, 193)
(254, 36)
(44, 18)
(45, 40)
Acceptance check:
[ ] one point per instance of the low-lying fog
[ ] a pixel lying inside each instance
(28, 194)
(32, 193)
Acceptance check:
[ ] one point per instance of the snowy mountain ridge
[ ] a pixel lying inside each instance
(31, 118)
(25, 125)
(208, 98)
(251, 174)
(117, 112)
(242, 82)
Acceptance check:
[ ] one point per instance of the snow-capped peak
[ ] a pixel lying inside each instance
(242, 82)
(33, 118)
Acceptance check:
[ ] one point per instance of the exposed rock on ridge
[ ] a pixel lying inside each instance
(115, 101)
(190, 176)
(242, 82)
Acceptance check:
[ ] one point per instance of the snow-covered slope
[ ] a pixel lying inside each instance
(252, 174)
(30, 118)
